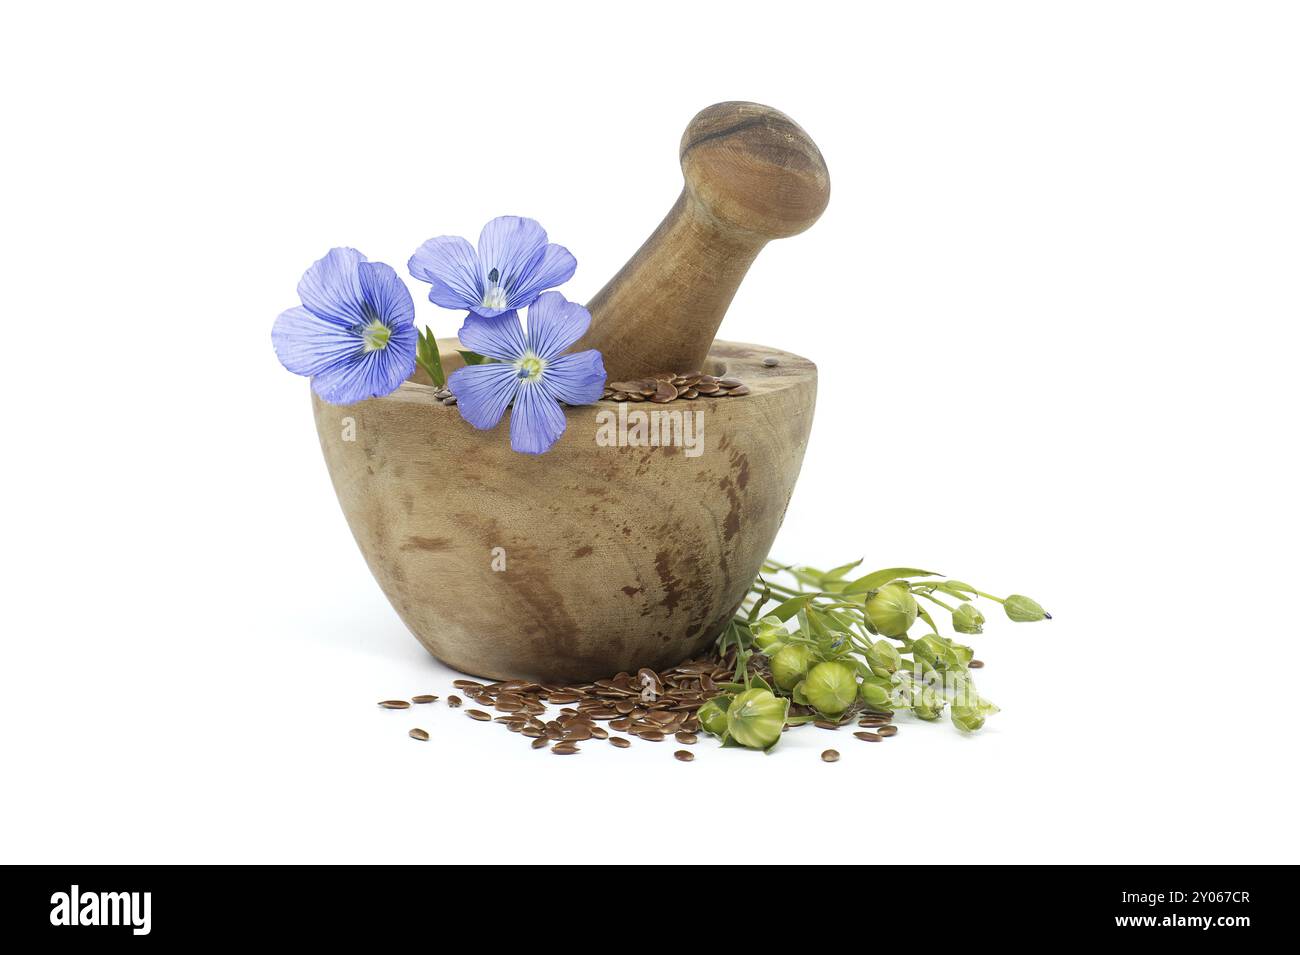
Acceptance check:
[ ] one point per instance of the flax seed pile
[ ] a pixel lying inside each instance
(670, 386)
(646, 706)
(661, 388)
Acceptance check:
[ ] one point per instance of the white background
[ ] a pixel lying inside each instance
(1053, 301)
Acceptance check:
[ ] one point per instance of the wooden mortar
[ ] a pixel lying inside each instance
(596, 558)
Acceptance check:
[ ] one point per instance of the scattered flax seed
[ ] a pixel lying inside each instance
(424, 698)
(395, 704)
(975, 664)
(647, 705)
(831, 756)
(869, 737)
(684, 755)
(419, 734)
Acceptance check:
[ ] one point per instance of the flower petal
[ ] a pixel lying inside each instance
(536, 422)
(331, 288)
(450, 264)
(516, 251)
(555, 323)
(577, 379)
(510, 244)
(369, 374)
(307, 344)
(483, 392)
(553, 267)
(500, 336)
(386, 293)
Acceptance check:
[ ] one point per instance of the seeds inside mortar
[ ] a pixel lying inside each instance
(665, 387)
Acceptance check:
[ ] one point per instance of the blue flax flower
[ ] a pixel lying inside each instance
(530, 371)
(512, 266)
(354, 334)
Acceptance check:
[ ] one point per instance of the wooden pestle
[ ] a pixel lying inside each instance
(752, 175)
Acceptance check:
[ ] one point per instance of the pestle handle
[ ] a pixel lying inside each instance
(752, 175)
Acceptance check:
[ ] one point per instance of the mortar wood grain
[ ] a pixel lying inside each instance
(616, 557)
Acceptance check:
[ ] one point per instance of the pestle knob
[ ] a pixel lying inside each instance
(752, 175)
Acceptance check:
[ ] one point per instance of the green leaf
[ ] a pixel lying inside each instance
(876, 580)
(837, 573)
(957, 589)
(428, 358)
(925, 615)
(473, 358)
(807, 575)
(789, 608)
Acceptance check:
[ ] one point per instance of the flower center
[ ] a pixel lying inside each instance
(495, 296)
(530, 367)
(375, 335)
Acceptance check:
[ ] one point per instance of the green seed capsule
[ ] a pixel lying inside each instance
(831, 687)
(967, 718)
(756, 718)
(1024, 610)
(791, 664)
(925, 711)
(929, 648)
(892, 610)
(928, 705)
(876, 695)
(883, 658)
(713, 715)
(967, 619)
(769, 634)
